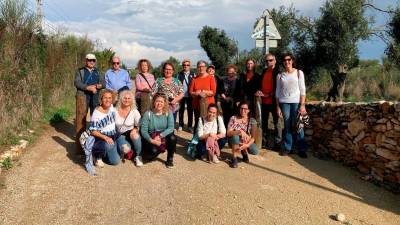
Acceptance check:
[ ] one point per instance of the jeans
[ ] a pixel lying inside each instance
(109, 152)
(151, 151)
(290, 111)
(266, 109)
(188, 102)
(137, 143)
(235, 140)
(201, 146)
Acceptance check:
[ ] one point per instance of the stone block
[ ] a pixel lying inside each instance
(387, 154)
(379, 128)
(355, 127)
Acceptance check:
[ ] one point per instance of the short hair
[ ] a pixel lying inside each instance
(270, 54)
(244, 102)
(185, 60)
(231, 66)
(167, 64)
(166, 105)
(105, 91)
(142, 61)
(201, 62)
(122, 95)
(212, 105)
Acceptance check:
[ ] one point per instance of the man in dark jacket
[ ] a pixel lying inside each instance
(88, 83)
(266, 90)
(186, 77)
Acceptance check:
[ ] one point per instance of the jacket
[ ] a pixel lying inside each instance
(80, 82)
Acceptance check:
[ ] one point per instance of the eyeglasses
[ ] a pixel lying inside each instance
(186, 64)
(115, 63)
(287, 60)
(91, 60)
(269, 60)
(201, 66)
(242, 108)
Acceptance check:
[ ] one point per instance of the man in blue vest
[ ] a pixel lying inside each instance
(186, 77)
(88, 83)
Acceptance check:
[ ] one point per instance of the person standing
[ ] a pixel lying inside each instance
(144, 83)
(117, 79)
(227, 96)
(248, 85)
(267, 91)
(186, 77)
(291, 95)
(88, 83)
(203, 86)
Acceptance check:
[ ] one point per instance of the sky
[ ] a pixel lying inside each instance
(158, 29)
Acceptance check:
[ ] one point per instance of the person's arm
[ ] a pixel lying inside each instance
(170, 125)
(79, 84)
(200, 130)
(191, 89)
(180, 92)
(302, 88)
(278, 90)
(144, 126)
(107, 80)
(139, 82)
(231, 132)
(128, 81)
(222, 129)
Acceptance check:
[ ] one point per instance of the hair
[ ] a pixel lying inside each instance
(165, 65)
(244, 102)
(166, 105)
(231, 66)
(291, 56)
(201, 62)
(270, 54)
(142, 61)
(122, 95)
(254, 61)
(105, 91)
(212, 105)
(185, 60)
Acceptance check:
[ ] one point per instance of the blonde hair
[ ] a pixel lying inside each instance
(166, 105)
(105, 91)
(122, 95)
(185, 60)
(139, 65)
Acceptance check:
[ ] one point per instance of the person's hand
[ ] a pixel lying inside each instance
(134, 134)
(156, 141)
(241, 133)
(302, 109)
(246, 138)
(197, 92)
(279, 112)
(99, 86)
(223, 96)
(259, 94)
(203, 94)
(213, 136)
(109, 140)
(92, 88)
(243, 147)
(145, 90)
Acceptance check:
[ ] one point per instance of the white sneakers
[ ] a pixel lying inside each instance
(215, 159)
(180, 129)
(100, 163)
(138, 161)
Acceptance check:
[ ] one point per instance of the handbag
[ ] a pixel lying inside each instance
(162, 147)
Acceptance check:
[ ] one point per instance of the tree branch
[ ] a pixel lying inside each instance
(378, 9)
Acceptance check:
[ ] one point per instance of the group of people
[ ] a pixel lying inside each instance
(140, 124)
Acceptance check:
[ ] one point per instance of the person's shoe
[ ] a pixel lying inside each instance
(302, 154)
(100, 163)
(138, 161)
(169, 164)
(234, 163)
(180, 128)
(276, 147)
(283, 152)
(245, 157)
(215, 159)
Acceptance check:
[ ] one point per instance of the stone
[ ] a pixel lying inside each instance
(337, 146)
(363, 168)
(340, 217)
(382, 121)
(328, 126)
(379, 139)
(385, 107)
(355, 127)
(379, 128)
(395, 121)
(392, 134)
(370, 148)
(389, 125)
(388, 146)
(390, 141)
(396, 127)
(387, 154)
(377, 174)
(359, 137)
(393, 165)
(367, 140)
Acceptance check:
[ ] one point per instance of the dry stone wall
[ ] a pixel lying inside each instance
(365, 136)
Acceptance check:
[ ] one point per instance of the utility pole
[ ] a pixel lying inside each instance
(39, 12)
(266, 35)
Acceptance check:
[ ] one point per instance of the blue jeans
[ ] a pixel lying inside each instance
(201, 146)
(124, 140)
(102, 149)
(235, 140)
(290, 112)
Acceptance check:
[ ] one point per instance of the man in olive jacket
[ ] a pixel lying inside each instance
(88, 83)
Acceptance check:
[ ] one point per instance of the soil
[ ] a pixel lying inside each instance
(49, 185)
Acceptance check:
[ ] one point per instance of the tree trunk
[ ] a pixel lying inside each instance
(335, 94)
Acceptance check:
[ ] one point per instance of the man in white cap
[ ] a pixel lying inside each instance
(88, 83)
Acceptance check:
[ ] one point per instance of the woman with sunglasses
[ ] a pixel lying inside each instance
(241, 132)
(291, 96)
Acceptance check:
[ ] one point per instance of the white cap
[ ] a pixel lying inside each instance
(90, 56)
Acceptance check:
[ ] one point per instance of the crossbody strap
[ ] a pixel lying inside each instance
(144, 77)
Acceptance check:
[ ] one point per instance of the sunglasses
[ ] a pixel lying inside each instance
(269, 60)
(186, 64)
(287, 60)
(115, 63)
(91, 60)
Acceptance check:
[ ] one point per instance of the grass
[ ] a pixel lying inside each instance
(7, 163)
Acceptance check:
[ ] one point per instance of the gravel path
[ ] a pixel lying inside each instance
(50, 186)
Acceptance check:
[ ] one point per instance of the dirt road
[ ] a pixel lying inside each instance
(50, 186)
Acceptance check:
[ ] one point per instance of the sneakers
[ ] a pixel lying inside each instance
(283, 152)
(138, 161)
(245, 157)
(169, 164)
(234, 163)
(215, 159)
(180, 128)
(100, 163)
(302, 154)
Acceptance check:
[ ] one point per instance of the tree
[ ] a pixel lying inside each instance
(103, 59)
(157, 71)
(219, 47)
(341, 25)
(393, 49)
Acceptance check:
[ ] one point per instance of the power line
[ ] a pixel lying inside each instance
(56, 11)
